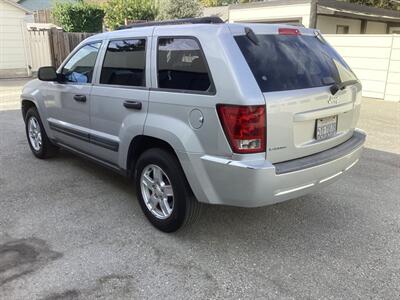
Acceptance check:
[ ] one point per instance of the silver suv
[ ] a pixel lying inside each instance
(199, 111)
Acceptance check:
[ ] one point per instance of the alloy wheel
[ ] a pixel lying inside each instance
(157, 191)
(35, 134)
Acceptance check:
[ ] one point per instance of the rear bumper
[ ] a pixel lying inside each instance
(258, 183)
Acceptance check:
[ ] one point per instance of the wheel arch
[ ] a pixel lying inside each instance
(140, 144)
(26, 105)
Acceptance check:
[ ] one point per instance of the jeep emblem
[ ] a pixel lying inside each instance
(333, 99)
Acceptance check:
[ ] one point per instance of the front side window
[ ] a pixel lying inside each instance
(181, 65)
(79, 68)
(124, 63)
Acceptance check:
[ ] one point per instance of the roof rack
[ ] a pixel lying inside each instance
(203, 20)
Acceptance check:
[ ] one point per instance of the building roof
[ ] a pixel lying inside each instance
(341, 8)
(334, 8)
(267, 3)
(15, 4)
(34, 5)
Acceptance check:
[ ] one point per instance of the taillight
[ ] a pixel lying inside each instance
(244, 127)
(289, 31)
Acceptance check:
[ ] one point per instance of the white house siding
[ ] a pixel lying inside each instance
(394, 30)
(328, 24)
(393, 80)
(276, 13)
(12, 50)
(376, 28)
(376, 61)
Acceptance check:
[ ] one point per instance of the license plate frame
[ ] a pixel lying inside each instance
(325, 128)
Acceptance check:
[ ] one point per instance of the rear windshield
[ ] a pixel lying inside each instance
(287, 62)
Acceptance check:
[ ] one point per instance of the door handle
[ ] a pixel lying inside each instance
(133, 104)
(80, 98)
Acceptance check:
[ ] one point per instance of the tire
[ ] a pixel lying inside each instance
(182, 206)
(45, 148)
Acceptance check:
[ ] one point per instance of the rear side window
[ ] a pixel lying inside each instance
(79, 68)
(287, 62)
(124, 63)
(181, 65)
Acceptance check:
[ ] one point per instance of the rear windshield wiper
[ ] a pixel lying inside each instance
(320, 38)
(251, 35)
(341, 85)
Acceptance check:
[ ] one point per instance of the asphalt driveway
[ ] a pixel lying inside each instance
(10, 91)
(72, 230)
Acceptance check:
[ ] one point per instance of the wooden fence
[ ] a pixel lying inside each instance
(62, 43)
(38, 44)
(51, 46)
(43, 16)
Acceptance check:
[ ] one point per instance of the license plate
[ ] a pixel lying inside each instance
(326, 128)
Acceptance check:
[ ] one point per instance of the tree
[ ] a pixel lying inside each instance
(209, 3)
(118, 10)
(390, 4)
(179, 9)
(78, 16)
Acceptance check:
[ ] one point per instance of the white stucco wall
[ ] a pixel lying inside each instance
(272, 13)
(13, 54)
(328, 25)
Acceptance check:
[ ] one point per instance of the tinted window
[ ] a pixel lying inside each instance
(181, 65)
(285, 62)
(124, 63)
(80, 67)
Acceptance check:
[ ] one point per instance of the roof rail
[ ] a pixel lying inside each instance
(203, 20)
(293, 24)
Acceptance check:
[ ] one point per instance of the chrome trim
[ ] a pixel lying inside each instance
(295, 189)
(352, 165)
(331, 177)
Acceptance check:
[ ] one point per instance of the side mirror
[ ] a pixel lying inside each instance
(47, 74)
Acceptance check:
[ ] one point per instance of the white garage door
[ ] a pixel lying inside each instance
(12, 49)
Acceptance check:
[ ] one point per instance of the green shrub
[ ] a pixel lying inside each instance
(116, 11)
(78, 16)
(179, 9)
(210, 3)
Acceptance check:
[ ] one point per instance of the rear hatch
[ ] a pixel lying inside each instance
(311, 94)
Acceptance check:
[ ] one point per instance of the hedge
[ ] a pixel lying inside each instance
(116, 11)
(78, 16)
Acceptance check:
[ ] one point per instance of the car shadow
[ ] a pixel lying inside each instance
(347, 204)
(321, 212)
